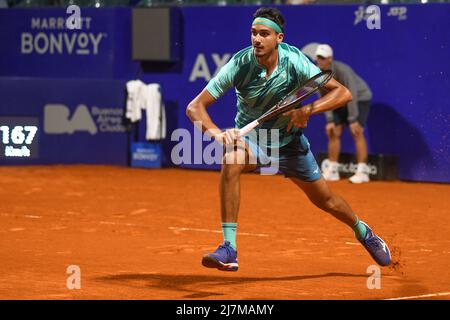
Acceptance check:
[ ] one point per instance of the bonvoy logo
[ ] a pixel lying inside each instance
(50, 35)
(58, 120)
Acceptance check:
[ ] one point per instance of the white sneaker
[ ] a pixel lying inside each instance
(330, 171)
(361, 175)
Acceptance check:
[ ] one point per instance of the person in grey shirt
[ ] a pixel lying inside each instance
(354, 114)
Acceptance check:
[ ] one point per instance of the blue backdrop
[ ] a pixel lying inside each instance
(405, 63)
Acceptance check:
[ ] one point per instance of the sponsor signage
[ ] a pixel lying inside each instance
(44, 43)
(146, 154)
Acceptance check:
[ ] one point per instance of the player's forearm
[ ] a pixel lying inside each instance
(201, 119)
(337, 97)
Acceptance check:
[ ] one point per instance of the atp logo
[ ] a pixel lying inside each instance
(57, 120)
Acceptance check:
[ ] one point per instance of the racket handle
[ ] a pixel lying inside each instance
(243, 131)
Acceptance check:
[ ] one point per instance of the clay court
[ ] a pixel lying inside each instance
(140, 234)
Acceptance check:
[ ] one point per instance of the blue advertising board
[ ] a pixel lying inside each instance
(38, 43)
(146, 155)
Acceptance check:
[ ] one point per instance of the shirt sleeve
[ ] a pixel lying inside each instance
(223, 81)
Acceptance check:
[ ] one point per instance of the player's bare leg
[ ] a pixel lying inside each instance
(234, 163)
(320, 194)
(236, 160)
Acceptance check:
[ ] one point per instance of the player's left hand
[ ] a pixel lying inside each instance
(299, 117)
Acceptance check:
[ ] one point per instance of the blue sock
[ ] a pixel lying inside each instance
(229, 233)
(360, 230)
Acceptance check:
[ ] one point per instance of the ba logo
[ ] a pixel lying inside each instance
(57, 120)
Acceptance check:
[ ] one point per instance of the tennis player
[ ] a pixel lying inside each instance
(261, 75)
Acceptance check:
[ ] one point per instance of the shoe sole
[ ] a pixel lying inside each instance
(210, 262)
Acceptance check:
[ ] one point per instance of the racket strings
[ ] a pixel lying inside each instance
(295, 97)
(307, 88)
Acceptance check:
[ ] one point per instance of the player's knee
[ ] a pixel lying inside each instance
(236, 157)
(232, 171)
(233, 164)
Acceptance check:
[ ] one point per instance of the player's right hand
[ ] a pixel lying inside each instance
(229, 136)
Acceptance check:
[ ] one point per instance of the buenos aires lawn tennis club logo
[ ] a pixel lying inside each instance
(59, 119)
(200, 148)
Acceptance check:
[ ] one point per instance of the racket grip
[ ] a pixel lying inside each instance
(243, 131)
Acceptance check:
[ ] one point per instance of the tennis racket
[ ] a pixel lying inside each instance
(291, 100)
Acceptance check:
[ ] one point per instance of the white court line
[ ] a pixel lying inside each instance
(217, 231)
(422, 296)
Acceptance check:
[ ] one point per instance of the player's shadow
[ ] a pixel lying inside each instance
(187, 283)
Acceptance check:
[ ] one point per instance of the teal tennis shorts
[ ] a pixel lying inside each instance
(294, 159)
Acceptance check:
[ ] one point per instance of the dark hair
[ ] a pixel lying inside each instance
(271, 13)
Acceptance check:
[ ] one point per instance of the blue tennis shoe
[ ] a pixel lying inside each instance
(224, 258)
(376, 247)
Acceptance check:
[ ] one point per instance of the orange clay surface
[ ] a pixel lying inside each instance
(140, 234)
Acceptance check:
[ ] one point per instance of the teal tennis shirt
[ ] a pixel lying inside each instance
(256, 94)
